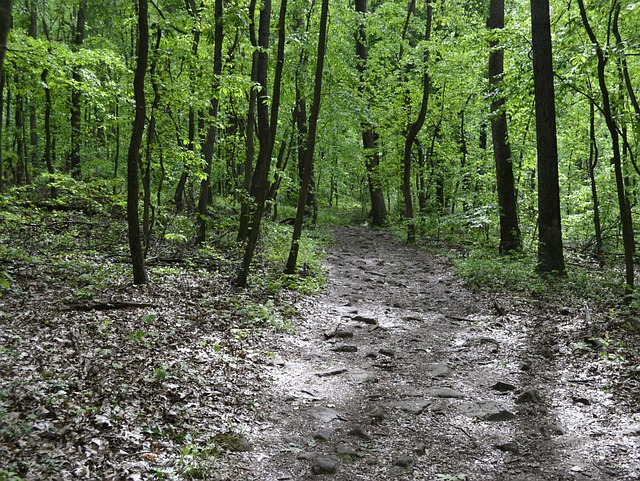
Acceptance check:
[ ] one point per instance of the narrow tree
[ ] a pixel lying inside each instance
(623, 204)
(5, 26)
(550, 253)
(509, 229)
(267, 128)
(133, 157)
(311, 142)
(412, 130)
(214, 105)
(369, 135)
(76, 93)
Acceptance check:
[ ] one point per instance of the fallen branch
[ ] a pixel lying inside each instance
(107, 306)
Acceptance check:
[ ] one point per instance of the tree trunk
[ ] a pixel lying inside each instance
(623, 205)
(311, 142)
(147, 207)
(76, 94)
(369, 135)
(5, 26)
(591, 167)
(550, 253)
(205, 184)
(133, 157)
(267, 127)
(246, 202)
(411, 133)
(509, 228)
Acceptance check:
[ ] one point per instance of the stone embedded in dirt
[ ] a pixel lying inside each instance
(581, 400)
(420, 449)
(396, 471)
(525, 366)
(409, 391)
(404, 461)
(387, 352)
(503, 387)
(445, 392)
(552, 429)
(344, 348)
(510, 447)
(486, 411)
(324, 465)
(292, 441)
(363, 377)
(367, 320)
(530, 396)
(565, 311)
(307, 456)
(411, 407)
(376, 413)
(331, 372)
(371, 355)
(324, 414)
(359, 432)
(345, 449)
(343, 332)
(323, 434)
(437, 369)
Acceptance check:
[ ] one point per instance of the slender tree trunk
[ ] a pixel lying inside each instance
(5, 26)
(21, 160)
(133, 157)
(591, 167)
(623, 204)
(369, 135)
(311, 142)
(76, 94)
(179, 195)
(246, 202)
(411, 133)
(550, 253)
(147, 206)
(205, 184)
(2, 77)
(509, 228)
(267, 127)
(33, 117)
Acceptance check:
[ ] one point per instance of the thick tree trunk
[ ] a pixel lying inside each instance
(550, 253)
(623, 205)
(311, 142)
(133, 157)
(369, 135)
(76, 95)
(5, 26)
(509, 228)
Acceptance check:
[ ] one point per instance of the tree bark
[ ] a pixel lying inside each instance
(509, 228)
(205, 184)
(311, 142)
(411, 133)
(623, 204)
(369, 135)
(591, 167)
(267, 127)
(133, 157)
(550, 252)
(76, 94)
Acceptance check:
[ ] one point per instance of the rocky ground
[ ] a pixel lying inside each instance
(399, 371)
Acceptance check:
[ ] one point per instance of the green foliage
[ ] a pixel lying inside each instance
(517, 272)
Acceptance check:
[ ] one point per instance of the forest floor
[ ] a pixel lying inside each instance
(396, 371)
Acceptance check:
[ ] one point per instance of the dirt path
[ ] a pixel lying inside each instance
(398, 371)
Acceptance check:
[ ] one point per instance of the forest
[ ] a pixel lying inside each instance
(185, 185)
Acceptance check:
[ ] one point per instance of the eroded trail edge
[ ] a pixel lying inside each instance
(399, 371)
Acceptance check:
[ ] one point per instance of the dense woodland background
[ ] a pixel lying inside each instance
(423, 113)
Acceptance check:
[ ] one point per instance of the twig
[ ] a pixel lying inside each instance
(106, 306)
